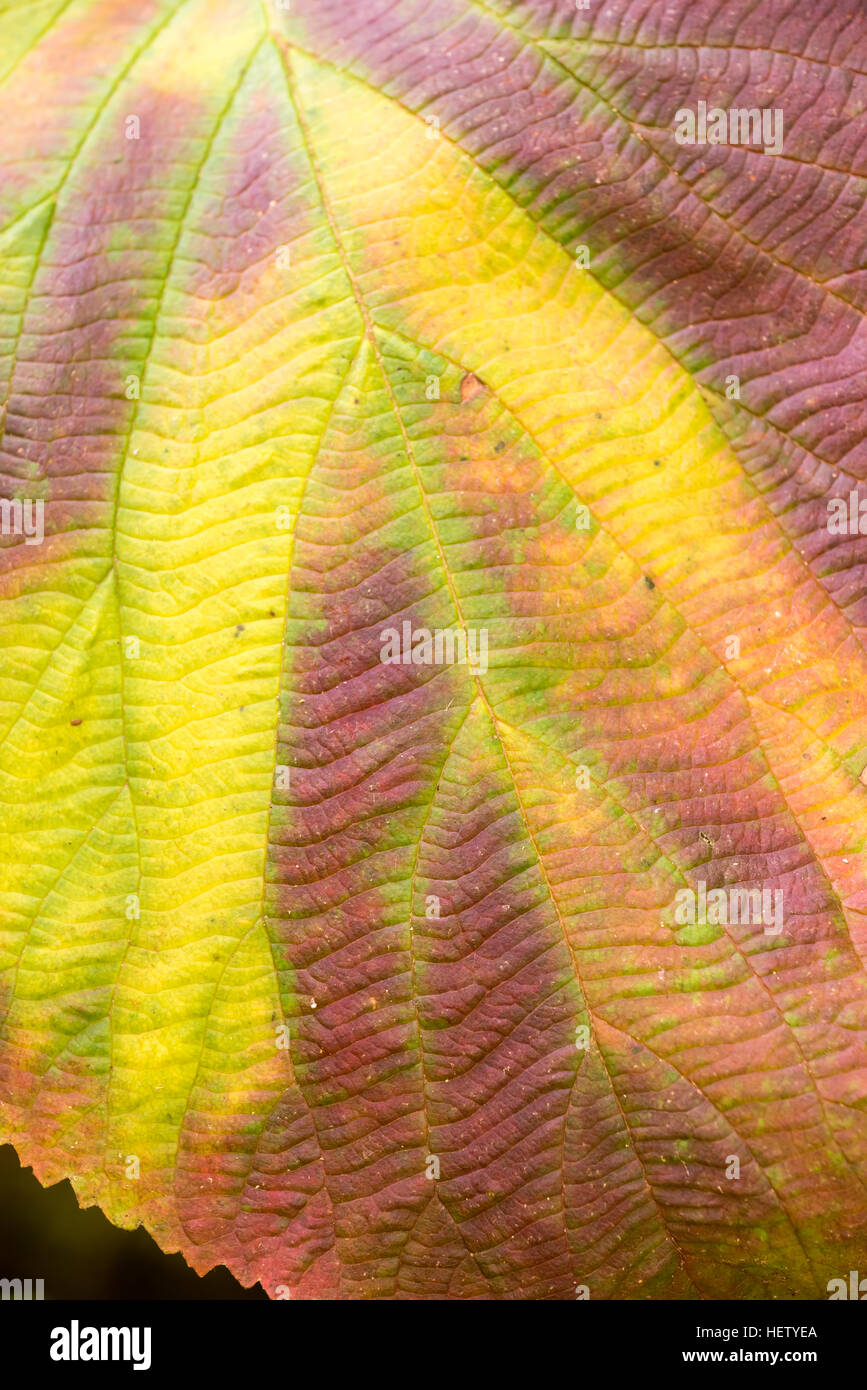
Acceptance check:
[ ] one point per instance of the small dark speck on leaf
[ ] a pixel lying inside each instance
(657, 463)
(649, 582)
(75, 722)
(239, 629)
(271, 613)
(498, 448)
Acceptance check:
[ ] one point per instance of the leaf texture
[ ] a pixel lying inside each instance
(366, 978)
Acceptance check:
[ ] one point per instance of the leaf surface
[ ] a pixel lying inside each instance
(367, 979)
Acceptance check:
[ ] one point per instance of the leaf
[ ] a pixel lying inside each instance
(375, 979)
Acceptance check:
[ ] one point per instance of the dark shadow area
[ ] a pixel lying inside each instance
(44, 1234)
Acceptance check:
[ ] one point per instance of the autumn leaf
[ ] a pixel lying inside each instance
(433, 595)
